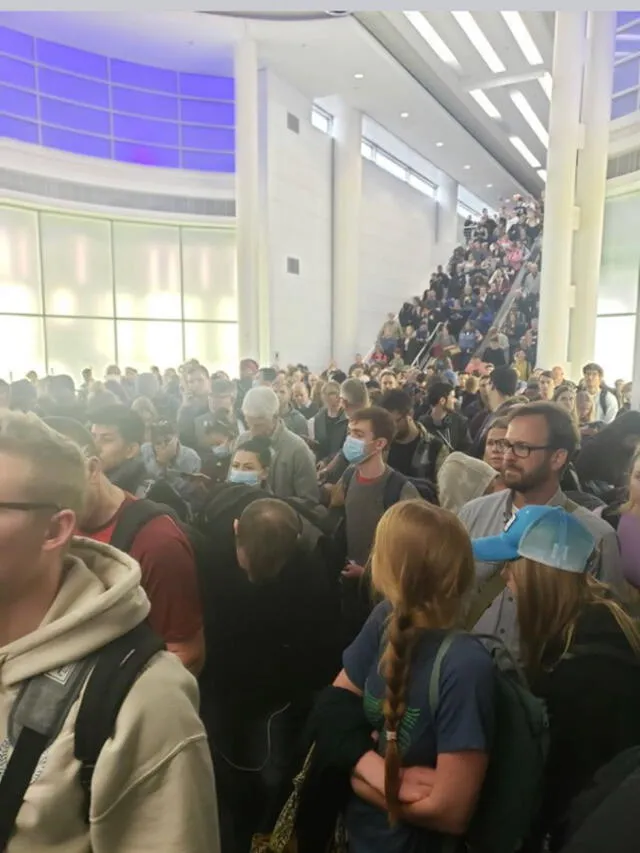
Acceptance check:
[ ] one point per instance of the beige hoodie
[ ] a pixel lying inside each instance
(461, 479)
(153, 787)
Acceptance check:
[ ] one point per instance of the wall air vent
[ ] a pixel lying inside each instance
(293, 266)
(293, 123)
(53, 188)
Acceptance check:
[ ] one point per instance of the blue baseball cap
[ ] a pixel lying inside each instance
(546, 534)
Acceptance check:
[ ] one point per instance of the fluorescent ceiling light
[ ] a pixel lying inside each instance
(546, 81)
(523, 37)
(530, 117)
(482, 101)
(420, 23)
(522, 149)
(479, 41)
(543, 174)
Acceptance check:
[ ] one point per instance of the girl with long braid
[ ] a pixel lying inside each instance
(425, 774)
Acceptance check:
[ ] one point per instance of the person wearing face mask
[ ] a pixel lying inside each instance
(367, 489)
(250, 464)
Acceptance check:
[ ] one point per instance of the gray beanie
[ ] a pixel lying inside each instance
(461, 479)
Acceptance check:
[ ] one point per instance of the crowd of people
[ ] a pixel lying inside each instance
(391, 608)
(321, 554)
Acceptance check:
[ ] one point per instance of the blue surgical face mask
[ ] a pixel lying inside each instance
(354, 449)
(221, 451)
(247, 478)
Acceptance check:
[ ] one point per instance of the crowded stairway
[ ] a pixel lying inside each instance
(407, 589)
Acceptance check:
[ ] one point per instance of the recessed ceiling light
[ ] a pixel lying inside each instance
(466, 166)
(420, 23)
(478, 39)
(530, 117)
(522, 149)
(523, 37)
(484, 103)
(489, 186)
(359, 76)
(439, 144)
(404, 115)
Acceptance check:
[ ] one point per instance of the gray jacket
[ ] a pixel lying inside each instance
(293, 468)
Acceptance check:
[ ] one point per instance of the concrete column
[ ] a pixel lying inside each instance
(248, 228)
(591, 180)
(559, 219)
(347, 195)
(447, 218)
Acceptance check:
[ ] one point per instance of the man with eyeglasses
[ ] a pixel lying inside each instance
(62, 602)
(540, 441)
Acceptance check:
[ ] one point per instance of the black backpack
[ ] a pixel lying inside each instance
(44, 702)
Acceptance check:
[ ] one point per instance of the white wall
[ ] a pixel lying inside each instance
(397, 254)
(299, 215)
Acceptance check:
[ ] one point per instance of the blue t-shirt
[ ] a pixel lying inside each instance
(463, 722)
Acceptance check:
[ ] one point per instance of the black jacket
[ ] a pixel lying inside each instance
(329, 433)
(593, 700)
(453, 431)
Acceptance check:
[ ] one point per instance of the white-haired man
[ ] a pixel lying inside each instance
(293, 471)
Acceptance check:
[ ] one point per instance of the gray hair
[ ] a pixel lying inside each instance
(260, 403)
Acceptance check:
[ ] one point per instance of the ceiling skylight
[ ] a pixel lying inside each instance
(530, 117)
(523, 37)
(522, 149)
(483, 101)
(420, 23)
(478, 39)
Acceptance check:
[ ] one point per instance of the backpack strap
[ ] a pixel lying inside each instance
(36, 718)
(486, 595)
(346, 478)
(132, 518)
(118, 666)
(434, 680)
(393, 488)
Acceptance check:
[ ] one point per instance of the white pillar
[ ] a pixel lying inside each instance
(248, 198)
(564, 140)
(347, 194)
(447, 218)
(591, 181)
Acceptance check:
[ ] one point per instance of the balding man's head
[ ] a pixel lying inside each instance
(266, 536)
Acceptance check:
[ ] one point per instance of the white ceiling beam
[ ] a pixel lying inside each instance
(499, 80)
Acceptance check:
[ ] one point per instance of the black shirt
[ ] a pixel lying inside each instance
(401, 456)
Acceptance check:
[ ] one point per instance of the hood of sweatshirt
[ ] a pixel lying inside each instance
(462, 478)
(100, 599)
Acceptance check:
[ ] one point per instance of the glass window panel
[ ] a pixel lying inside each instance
(208, 139)
(625, 75)
(71, 59)
(146, 155)
(624, 105)
(17, 102)
(615, 339)
(203, 86)
(21, 346)
(73, 88)
(207, 112)
(618, 288)
(16, 43)
(17, 128)
(17, 73)
(74, 116)
(391, 166)
(142, 343)
(144, 130)
(73, 344)
(20, 291)
(204, 161)
(209, 274)
(76, 143)
(143, 76)
(216, 345)
(142, 103)
(147, 271)
(76, 264)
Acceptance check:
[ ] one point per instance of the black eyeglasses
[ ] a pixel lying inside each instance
(520, 448)
(28, 506)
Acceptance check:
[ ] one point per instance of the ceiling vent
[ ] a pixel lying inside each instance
(37, 185)
(624, 164)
